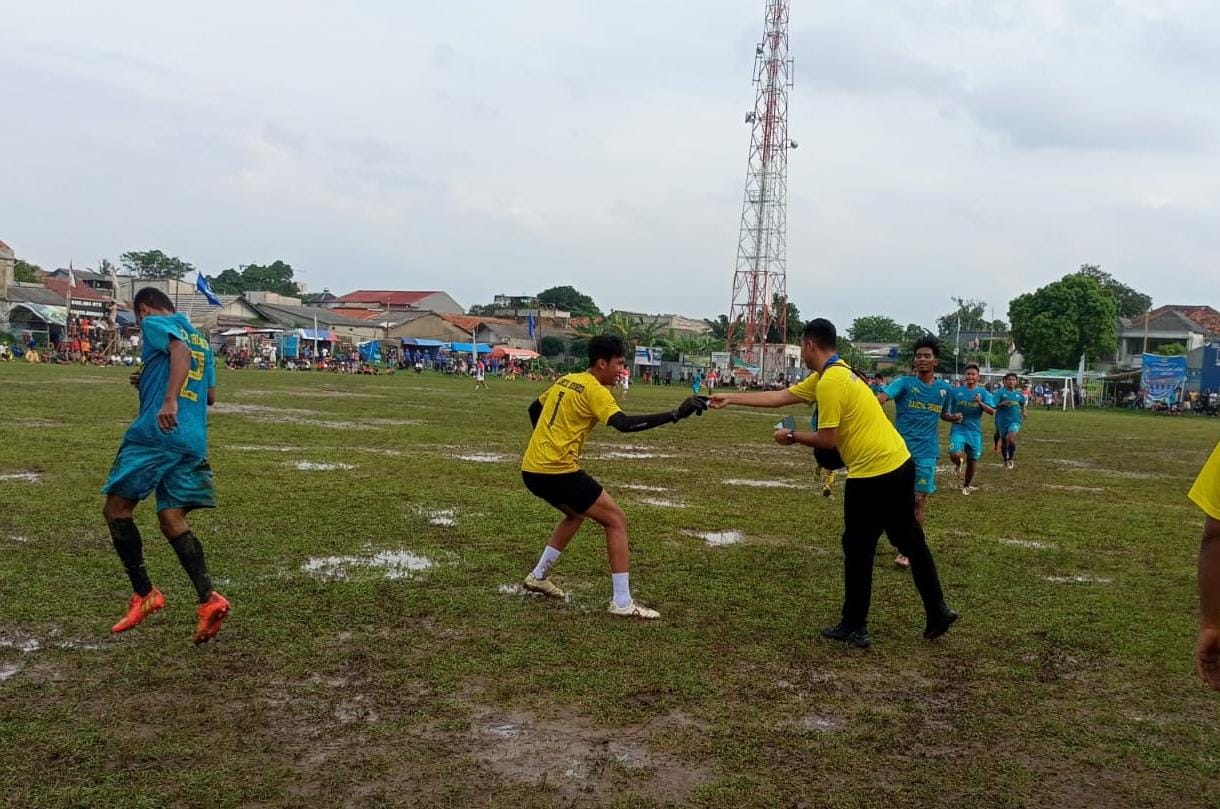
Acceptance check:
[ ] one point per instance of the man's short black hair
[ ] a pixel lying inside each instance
(927, 341)
(821, 332)
(153, 298)
(605, 347)
(1013, 374)
(972, 365)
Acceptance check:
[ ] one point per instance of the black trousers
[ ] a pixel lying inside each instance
(870, 506)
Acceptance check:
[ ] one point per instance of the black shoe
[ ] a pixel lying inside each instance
(939, 622)
(853, 636)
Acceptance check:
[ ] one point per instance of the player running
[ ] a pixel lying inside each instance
(1009, 416)
(966, 436)
(563, 416)
(165, 450)
(921, 402)
(480, 376)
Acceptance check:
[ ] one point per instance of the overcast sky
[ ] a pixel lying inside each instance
(947, 148)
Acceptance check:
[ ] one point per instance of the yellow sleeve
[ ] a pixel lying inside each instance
(1206, 491)
(601, 403)
(831, 393)
(806, 390)
(546, 394)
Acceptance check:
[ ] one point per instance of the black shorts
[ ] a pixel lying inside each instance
(576, 491)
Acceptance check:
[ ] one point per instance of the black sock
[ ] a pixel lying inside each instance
(190, 555)
(1012, 451)
(130, 548)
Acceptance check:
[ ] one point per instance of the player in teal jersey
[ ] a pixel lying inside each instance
(921, 402)
(1009, 416)
(966, 436)
(165, 450)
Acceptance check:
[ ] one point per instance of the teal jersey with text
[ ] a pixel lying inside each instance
(918, 406)
(191, 435)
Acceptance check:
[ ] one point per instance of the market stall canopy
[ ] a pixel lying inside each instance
(465, 348)
(248, 330)
(321, 335)
(514, 353)
(423, 342)
(55, 315)
(125, 318)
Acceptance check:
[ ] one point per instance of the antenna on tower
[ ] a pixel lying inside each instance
(760, 282)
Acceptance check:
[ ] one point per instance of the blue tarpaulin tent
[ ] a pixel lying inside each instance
(464, 348)
(370, 351)
(423, 342)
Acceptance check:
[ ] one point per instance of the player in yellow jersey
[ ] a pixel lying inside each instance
(1206, 494)
(880, 492)
(563, 416)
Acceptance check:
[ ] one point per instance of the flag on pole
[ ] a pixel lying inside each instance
(71, 277)
(205, 289)
(533, 324)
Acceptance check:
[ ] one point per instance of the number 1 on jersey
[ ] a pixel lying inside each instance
(555, 412)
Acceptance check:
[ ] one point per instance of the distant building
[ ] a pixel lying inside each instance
(677, 324)
(459, 328)
(387, 300)
(88, 278)
(8, 265)
(1188, 326)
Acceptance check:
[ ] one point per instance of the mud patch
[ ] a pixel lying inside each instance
(25, 644)
(763, 484)
(718, 539)
(581, 760)
(312, 466)
(24, 477)
(390, 564)
(325, 393)
(818, 723)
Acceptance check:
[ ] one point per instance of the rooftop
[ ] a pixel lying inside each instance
(387, 297)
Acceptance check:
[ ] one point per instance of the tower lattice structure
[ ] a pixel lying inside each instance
(760, 282)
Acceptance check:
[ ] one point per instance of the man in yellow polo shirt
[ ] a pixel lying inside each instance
(880, 491)
(1206, 494)
(563, 416)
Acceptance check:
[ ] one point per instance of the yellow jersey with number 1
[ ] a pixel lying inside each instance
(1206, 491)
(571, 408)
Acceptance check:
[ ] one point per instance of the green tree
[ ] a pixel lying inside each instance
(483, 310)
(154, 264)
(551, 346)
(972, 315)
(1056, 324)
(228, 282)
(1171, 350)
(875, 329)
(855, 357)
(569, 299)
(26, 272)
(1130, 302)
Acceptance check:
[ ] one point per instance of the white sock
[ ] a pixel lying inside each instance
(622, 590)
(549, 557)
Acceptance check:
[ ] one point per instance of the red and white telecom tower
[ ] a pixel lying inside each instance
(760, 283)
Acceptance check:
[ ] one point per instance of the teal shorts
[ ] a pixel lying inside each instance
(925, 475)
(1014, 427)
(180, 481)
(961, 441)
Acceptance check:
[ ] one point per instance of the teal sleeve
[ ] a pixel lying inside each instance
(157, 332)
(895, 388)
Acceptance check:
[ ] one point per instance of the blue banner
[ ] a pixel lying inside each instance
(1209, 374)
(1162, 379)
(291, 347)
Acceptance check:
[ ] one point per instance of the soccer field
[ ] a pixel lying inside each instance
(372, 535)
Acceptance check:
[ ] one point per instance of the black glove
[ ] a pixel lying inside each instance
(692, 406)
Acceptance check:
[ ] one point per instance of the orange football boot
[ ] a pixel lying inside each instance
(139, 608)
(212, 614)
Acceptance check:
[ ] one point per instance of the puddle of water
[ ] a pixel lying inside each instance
(1027, 543)
(1078, 579)
(393, 564)
(618, 455)
(27, 645)
(718, 539)
(28, 477)
(8, 671)
(482, 457)
(445, 517)
(761, 484)
(660, 503)
(310, 466)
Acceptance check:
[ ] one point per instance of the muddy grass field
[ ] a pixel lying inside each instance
(372, 536)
